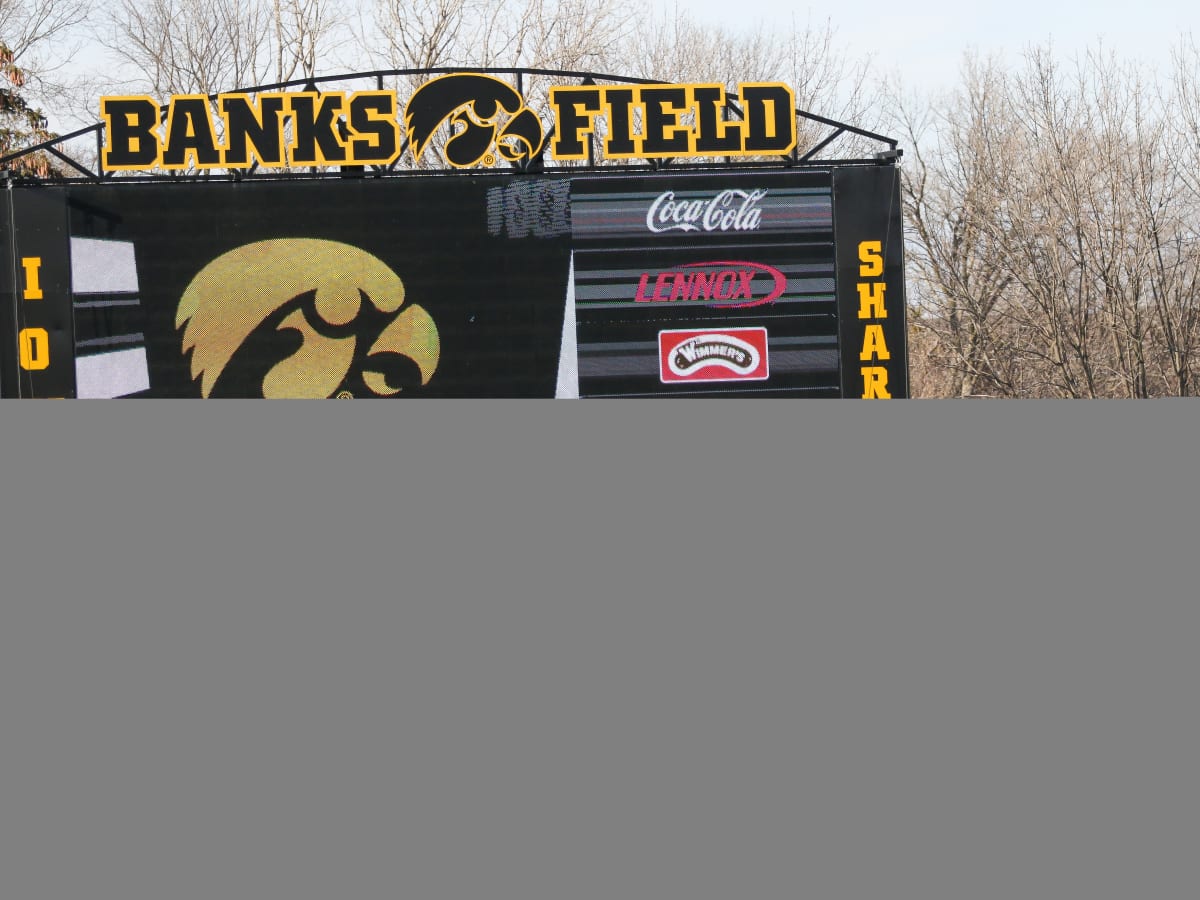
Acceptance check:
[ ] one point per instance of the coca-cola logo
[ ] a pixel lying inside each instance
(725, 284)
(729, 210)
(732, 354)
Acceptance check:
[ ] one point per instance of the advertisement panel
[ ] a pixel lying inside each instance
(699, 283)
(713, 252)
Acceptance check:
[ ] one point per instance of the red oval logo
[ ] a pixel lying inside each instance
(725, 284)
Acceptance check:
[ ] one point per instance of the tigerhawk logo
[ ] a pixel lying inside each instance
(473, 105)
(302, 317)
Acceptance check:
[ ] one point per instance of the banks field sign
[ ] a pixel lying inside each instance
(491, 120)
(460, 240)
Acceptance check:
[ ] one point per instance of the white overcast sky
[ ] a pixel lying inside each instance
(924, 40)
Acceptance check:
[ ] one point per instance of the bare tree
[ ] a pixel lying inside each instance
(676, 47)
(207, 46)
(569, 34)
(1052, 215)
(423, 34)
(959, 280)
(33, 31)
(560, 34)
(1175, 225)
(827, 79)
(305, 33)
(38, 40)
(192, 46)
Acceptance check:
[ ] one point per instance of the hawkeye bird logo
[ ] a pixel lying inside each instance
(304, 318)
(473, 105)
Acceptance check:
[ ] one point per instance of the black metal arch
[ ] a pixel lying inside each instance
(799, 157)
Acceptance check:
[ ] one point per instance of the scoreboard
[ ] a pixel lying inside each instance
(570, 283)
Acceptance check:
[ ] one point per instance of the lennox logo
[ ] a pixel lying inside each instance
(728, 282)
(730, 354)
(730, 210)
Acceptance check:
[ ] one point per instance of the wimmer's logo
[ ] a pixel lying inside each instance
(731, 354)
(304, 318)
(487, 120)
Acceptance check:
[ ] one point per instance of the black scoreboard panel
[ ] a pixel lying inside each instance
(724, 282)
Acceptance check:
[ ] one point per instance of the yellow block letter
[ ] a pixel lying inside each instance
(875, 383)
(874, 345)
(870, 300)
(870, 254)
(33, 285)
